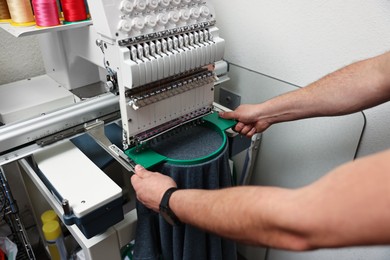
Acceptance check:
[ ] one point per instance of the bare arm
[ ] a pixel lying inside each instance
(349, 206)
(353, 88)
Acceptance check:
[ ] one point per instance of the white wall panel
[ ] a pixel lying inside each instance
(300, 41)
(20, 58)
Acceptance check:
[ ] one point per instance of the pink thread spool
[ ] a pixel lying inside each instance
(46, 12)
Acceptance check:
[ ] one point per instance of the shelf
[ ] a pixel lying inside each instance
(20, 31)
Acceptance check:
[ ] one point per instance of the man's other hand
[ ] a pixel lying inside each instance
(150, 186)
(250, 120)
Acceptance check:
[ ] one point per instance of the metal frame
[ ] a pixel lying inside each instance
(18, 140)
(11, 216)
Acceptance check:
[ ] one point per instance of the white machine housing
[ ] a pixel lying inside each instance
(126, 19)
(161, 53)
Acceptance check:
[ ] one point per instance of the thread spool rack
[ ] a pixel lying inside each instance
(19, 31)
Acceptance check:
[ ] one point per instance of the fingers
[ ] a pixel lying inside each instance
(247, 130)
(139, 169)
(251, 132)
(141, 172)
(228, 115)
(239, 127)
(150, 186)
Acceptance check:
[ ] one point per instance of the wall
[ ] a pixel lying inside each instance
(20, 58)
(278, 46)
(300, 41)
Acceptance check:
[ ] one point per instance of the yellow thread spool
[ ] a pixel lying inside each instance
(21, 12)
(55, 240)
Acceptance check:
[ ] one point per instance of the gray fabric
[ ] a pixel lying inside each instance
(156, 239)
(190, 142)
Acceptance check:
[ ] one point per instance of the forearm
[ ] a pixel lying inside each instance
(349, 206)
(251, 215)
(356, 87)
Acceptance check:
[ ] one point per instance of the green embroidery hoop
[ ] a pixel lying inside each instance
(149, 158)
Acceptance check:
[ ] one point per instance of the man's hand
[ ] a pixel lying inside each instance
(150, 186)
(249, 119)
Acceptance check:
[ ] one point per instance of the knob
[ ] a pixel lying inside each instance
(195, 13)
(138, 23)
(140, 5)
(176, 2)
(205, 11)
(162, 19)
(165, 3)
(126, 7)
(151, 20)
(153, 4)
(174, 16)
(125, 26)
(185, 14)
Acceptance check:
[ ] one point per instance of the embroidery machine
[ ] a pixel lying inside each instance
(148, 65)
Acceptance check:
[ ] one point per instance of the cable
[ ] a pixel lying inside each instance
(250, 158)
